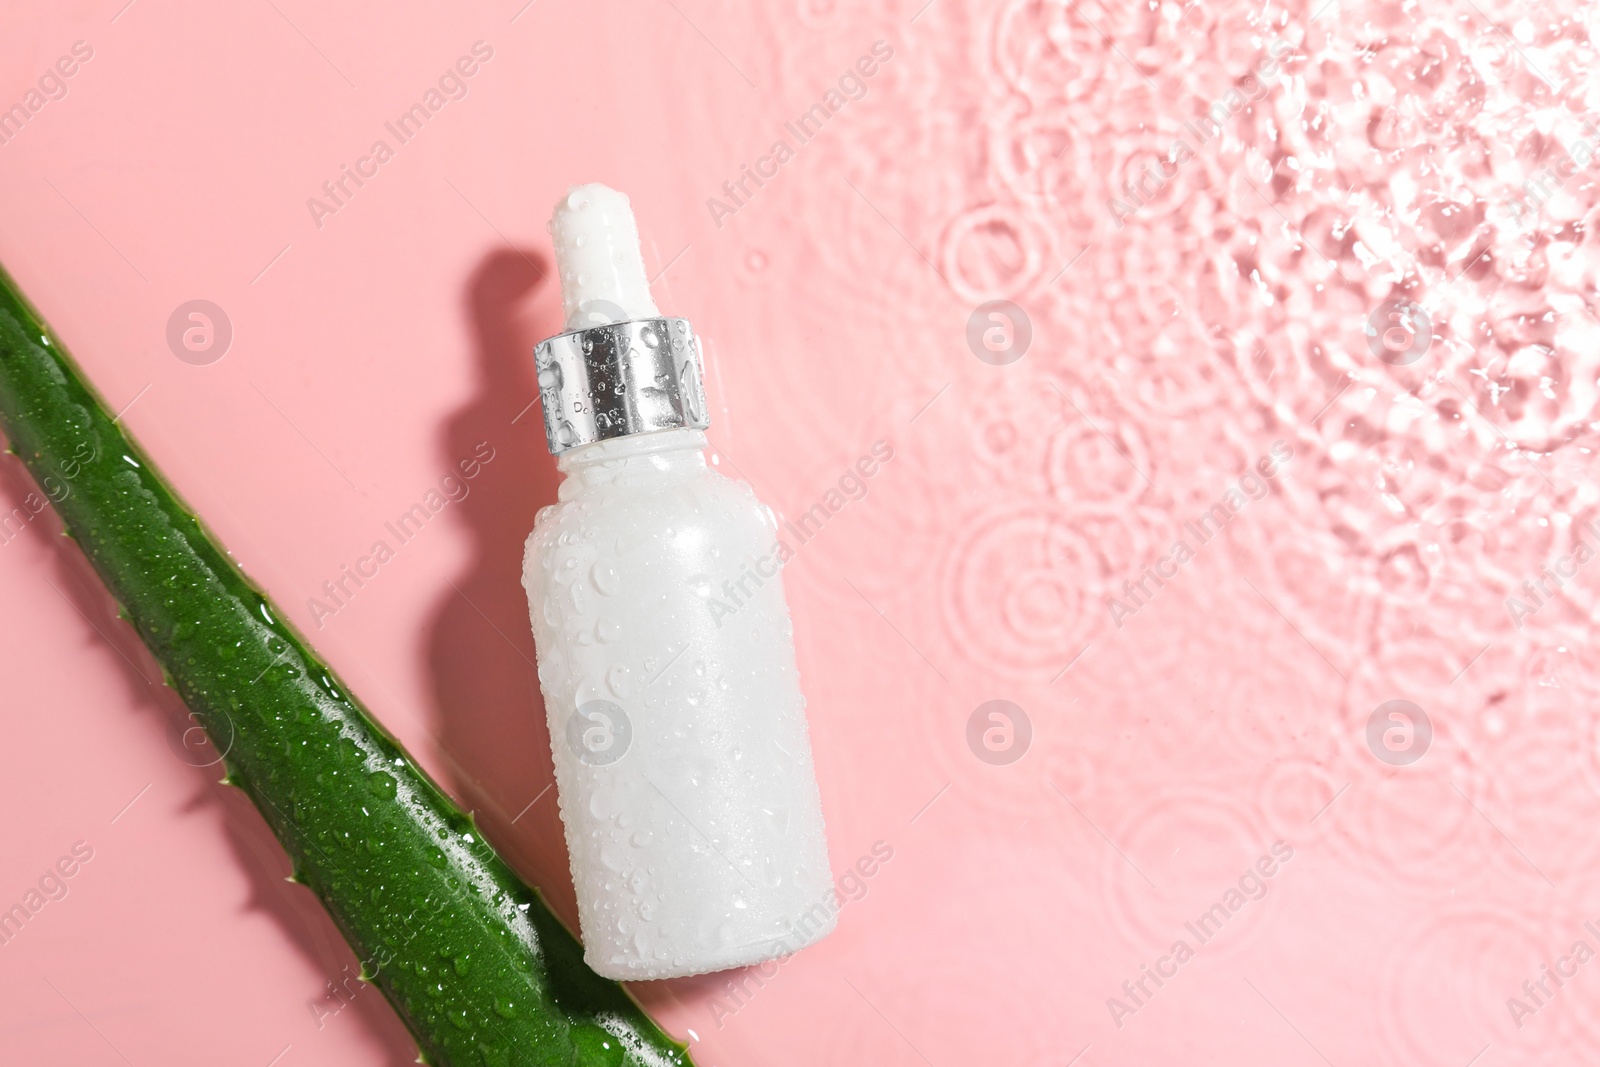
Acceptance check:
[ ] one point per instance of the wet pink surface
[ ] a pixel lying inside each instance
(1184, 738)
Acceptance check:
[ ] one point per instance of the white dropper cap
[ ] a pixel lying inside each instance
(597, 255)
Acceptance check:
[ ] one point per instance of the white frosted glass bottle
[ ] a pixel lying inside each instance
(683, 765)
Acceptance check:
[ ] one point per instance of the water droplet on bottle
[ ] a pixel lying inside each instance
(605, 577)
(618, 680)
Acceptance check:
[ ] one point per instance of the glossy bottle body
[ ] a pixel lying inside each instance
(677, 725)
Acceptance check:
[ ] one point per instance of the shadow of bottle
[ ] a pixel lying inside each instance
(492, 735)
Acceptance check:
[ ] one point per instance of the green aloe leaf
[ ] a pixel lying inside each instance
(476, 965)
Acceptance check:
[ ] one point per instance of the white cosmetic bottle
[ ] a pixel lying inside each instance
(683, 765)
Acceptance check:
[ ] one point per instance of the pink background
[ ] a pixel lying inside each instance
(1168, 753)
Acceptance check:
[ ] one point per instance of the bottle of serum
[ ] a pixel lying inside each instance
(682, 761)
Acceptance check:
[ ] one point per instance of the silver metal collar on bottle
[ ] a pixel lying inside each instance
(622, 378)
